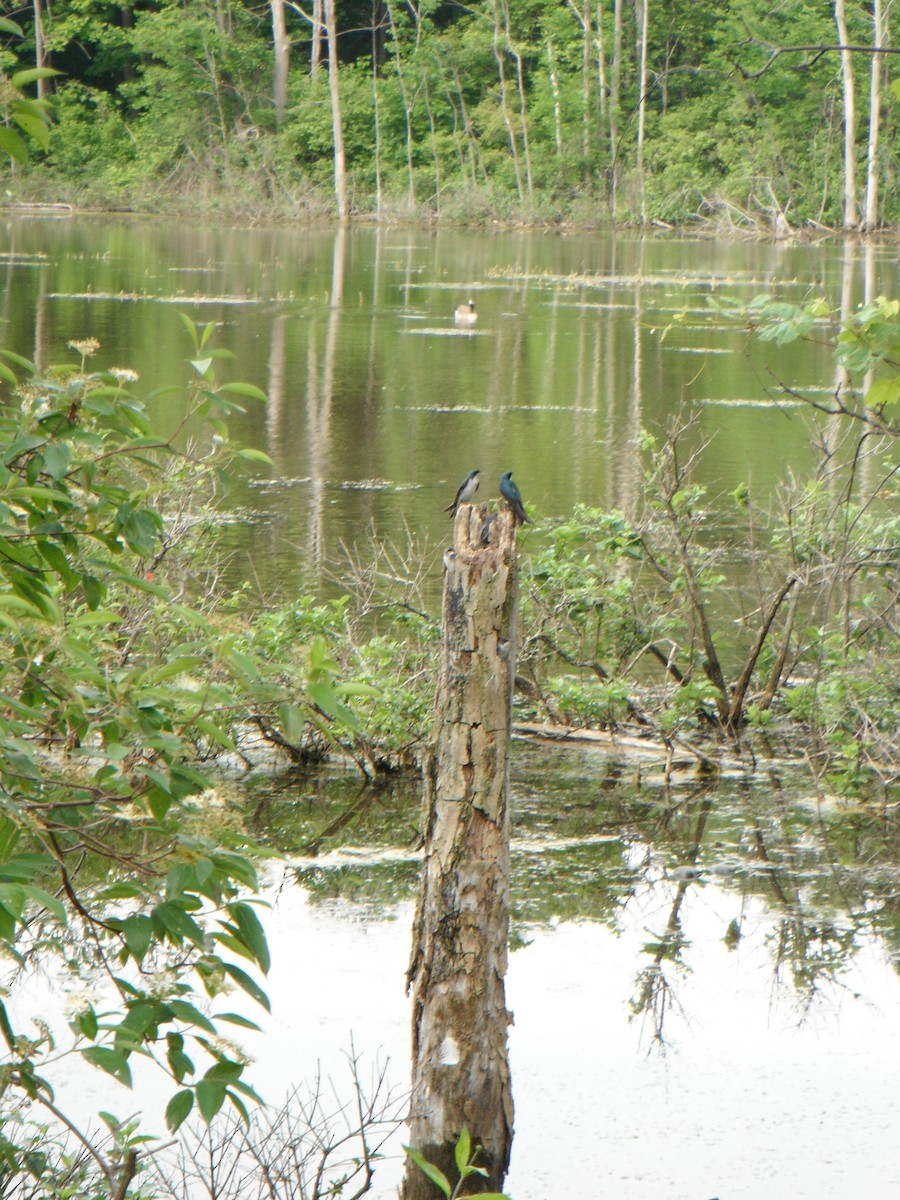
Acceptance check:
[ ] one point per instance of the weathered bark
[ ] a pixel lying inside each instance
(460, 1020)
(642, 104)
(40, 49)
(615, 87)
(880, 38)
(851, 209)
(318, 28)
(281, 48)
(337, 121)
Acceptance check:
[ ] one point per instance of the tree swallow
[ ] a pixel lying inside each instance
(464, 493)
(510, 494)
(465, 314)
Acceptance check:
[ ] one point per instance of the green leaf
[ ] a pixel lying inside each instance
(9, 838)
(173, 921)
(249, 985)
(57, 458)
(12, 144)
(244, 389)
(34, 126)
(113, 1062)
(883, 392)
(214, 732)
(210, 1098)
(32, 75)
(201, 366)
(26, 363)
(50, 903)
(186, 1012)
(178, 1109)
(86, 1023)
(239, 1105)
(225, 1072)
(435, 1174)
(252, 933)
(6, 1029)
(138, 933)
(236, 1019)
(463, 1150)
(247, 453)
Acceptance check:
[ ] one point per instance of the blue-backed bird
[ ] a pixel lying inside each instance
(464, 493)
(510, 494)
(465, 314)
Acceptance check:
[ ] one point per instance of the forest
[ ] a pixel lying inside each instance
(583, 112)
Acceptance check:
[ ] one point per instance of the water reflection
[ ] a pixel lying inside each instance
(375, 412)
(748, 930)
(591, 838)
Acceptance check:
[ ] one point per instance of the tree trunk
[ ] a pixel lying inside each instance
(318, 25)
(407, 109)
(615, 88)
(643, 25)
(851, 211)
(499, 51)
(880, 37)
(460, 1020)
(337, 123)
(282, 50)
(40, 51)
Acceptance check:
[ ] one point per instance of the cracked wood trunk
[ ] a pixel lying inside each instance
(460, 938)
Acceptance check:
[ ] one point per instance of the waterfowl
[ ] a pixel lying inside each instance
(465, 314)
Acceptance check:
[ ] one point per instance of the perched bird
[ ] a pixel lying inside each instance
(466, 315)
(510, 494)
(464, 493)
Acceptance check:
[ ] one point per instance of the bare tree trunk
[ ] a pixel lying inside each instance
(557, 110)
(337, 123)
(407, 108)
(643, 24)
(318, 25)
(473, 147)
(601, 61)
(851, 211)
(499, 51)
(586, 80)
(523, 102)
(881, 37)
(460, 940)
(377, 40)
(435, 156)
(615, 88)
(282, 51)
(40, 51)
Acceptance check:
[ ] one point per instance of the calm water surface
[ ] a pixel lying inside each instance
(377, 405)
(705, 987)
(705, 984)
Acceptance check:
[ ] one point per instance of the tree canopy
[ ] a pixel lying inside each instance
(501, 108)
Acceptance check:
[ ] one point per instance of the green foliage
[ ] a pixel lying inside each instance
(735, 120)
(115, 693)
(464, 1155)
(620, 625)
(32, 116)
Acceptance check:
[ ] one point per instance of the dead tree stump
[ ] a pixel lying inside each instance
(460, 938)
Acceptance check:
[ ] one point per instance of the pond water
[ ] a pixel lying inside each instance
(705, 984)
(378, 405)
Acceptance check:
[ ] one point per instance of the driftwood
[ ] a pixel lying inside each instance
(460, 940)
